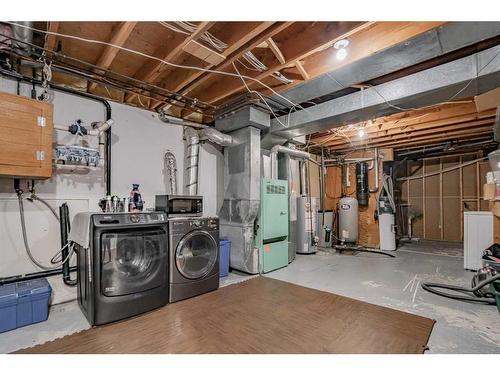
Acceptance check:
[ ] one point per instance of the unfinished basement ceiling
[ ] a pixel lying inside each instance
(297, 59)
(298, 51)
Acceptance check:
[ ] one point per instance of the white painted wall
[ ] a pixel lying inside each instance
(139, 141)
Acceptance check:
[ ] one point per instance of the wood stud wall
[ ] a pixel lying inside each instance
(441, 199)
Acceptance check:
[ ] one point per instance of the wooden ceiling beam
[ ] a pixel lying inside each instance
(200, 77)
(470, 125)
(433, 126)
(457, 112)
(228, 53)
(376, 37)
(50, 41)
(119, 38)
(150, 75)
(445, 136)
(319, 36)
(478, 137)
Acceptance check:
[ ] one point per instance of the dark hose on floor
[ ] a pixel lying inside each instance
(430, 287)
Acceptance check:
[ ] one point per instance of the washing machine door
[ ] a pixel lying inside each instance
(196, 254)
(133, 261)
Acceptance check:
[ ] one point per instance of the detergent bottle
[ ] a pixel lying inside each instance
(136, 203)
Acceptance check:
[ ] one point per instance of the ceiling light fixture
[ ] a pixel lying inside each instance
(340, 46)
(341, 54)
(361, 133)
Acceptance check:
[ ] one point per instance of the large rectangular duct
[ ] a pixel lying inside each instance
(468, 76)
(431, 44)
(242, 175)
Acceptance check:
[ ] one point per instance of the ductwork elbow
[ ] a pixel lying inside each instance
(291, 151)
(215, 136)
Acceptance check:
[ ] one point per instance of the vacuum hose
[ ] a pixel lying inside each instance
(430, 287)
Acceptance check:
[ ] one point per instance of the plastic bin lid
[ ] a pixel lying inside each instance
(13, 291)
(37, 286)
(223, 241)
(7, 293)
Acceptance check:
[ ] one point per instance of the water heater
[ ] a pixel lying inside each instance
(348, 219)
(306, 225)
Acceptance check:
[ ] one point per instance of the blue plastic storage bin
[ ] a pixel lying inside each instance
(24, 303)
(224, 250)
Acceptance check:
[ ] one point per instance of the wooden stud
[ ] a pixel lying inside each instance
(301, 69)
(423, 197)
(275, 50)
(461, 199)
(441, 214)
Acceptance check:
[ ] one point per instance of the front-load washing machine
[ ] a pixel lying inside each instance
(194, 256)
(124, 270)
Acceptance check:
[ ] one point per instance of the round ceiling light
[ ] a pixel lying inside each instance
(341, 44)
(341, 54)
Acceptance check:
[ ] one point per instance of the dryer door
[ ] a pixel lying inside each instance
(196, 254)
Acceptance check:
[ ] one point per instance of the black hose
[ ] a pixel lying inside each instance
(65, 228)
(363, 250)
(489, 301)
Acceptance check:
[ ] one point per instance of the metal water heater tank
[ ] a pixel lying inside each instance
(306, 225)
(348, 219)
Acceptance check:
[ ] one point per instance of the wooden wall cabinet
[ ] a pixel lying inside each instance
(26, 127)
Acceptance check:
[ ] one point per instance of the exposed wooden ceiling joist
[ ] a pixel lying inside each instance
(307, 41)
(50, 40)
(151, 74)
(119, 38)
(437, 124)
(234, 52)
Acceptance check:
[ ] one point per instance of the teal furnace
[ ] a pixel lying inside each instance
(272, 225)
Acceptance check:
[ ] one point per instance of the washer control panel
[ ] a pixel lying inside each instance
(130, 218)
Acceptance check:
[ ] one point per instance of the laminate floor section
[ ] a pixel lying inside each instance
(260, 315)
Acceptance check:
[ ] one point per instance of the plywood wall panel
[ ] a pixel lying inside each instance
(452, 219)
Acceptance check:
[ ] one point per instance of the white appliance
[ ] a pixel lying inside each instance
(478, 235)
(387, 231)
(348, 219)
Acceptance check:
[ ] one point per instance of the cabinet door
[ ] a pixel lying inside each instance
(25, 137)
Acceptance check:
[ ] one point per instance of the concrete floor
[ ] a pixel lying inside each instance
(390, 282)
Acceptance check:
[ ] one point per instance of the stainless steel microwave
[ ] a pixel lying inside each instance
(179, 205)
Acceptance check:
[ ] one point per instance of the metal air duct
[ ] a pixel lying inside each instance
(191, 163)
(171, 171)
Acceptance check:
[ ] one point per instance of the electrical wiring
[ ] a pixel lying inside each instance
(93, 69)
(280, 77)
(180, 66)
(188, 28)
(254, 61)
(260, 96)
